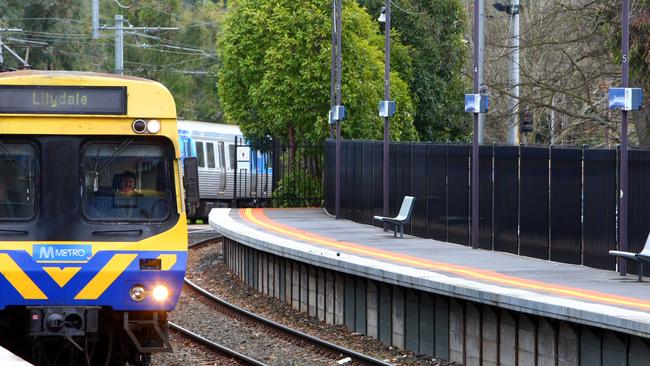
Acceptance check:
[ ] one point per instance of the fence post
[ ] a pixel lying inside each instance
(234, 178)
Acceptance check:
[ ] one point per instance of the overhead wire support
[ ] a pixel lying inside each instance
(119, 38)
(3, 46)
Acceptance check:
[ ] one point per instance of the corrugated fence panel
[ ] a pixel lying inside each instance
(329, 176)
(377, 178)
(392, 180)
(485, 197)
(436, 161)
(506, 198)
(358, 182)
(403, 178)
(638, 204)
(347, 179)
(533, 204)
(566, 205)
(458, 194)
(599, 226)
(366, 182)
(418, 172)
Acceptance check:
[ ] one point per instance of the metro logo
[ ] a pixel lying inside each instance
(62, 253)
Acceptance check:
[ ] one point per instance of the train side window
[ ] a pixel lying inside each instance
(222, 155)
(211, 159)
(200, 154)
(188, 148)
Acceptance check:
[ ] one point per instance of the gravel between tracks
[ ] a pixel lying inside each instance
(206, 269)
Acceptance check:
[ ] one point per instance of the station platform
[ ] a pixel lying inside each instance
(550, 290)
(9, 359)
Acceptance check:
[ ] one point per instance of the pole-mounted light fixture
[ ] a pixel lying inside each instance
(382, 15)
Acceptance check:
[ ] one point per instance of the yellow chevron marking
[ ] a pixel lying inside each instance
(168, 261)
(19, 279)
(62, 275)
(102, 280)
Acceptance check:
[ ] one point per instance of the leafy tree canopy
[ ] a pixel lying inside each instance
(184, 60)
(274, 77)
(433, 30)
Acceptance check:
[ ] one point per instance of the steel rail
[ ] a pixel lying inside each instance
(215, 346)
(355, 356)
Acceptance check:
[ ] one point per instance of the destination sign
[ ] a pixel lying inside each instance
(17, 99)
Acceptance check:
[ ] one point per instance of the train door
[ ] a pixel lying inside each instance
(254, 170)
(221, 167)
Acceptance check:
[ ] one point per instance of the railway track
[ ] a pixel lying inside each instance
(214, 347)
(319, 346)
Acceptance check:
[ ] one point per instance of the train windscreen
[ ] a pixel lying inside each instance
(18, 174)
(126, 181)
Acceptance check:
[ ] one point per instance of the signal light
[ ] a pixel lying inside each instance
(139, 126)
(526, 121)
(153, 126)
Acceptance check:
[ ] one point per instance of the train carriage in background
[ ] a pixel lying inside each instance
(228, 167)
(93, 232)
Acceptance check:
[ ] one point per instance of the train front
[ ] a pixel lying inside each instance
(93, 234)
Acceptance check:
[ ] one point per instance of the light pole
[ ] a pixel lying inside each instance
(477, 104)
(386, 106)
(625, 72)
(513, 73)
(337, 113)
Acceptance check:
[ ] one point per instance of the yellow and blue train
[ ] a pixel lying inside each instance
(93, 231)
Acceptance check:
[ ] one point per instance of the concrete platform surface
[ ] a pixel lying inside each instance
(9, 359)
(556, 290)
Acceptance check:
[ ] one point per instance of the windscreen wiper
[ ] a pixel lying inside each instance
(116, 153)
(4, 150)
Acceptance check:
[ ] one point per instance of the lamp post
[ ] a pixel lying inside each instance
(386, 106)
(477, 104)
(513, 74)
(337, 112)
(625, 72)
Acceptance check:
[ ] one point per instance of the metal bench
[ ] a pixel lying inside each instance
(641, 257)
(403, 217)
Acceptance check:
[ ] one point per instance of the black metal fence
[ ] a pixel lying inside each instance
(279, 175)
(548, 203)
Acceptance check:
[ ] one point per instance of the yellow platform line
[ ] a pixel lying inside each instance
(102, 280)
(259, 218)
(19, 279)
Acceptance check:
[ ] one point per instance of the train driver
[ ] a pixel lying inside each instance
(127, 184)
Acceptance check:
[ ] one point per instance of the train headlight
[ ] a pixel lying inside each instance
(153, 126)
(139, 126)
(138, 293)
(160, 293)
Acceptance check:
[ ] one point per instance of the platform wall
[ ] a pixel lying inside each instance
(447, 328)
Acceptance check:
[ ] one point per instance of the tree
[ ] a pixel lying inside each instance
(58, 24)
(639, 57)
(183, 60)
(433, 30)
(564, 72)
(274, 77)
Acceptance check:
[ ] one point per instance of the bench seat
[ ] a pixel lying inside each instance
(403, 217)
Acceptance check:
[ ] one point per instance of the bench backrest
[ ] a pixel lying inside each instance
(406, 209)
(646, 249)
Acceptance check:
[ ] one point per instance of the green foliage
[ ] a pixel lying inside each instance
(274, 77)
(298, 188)
(166, 56)
(433, 31)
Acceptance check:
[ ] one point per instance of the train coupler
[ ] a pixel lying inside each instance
(146, 333)
(63, 321)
